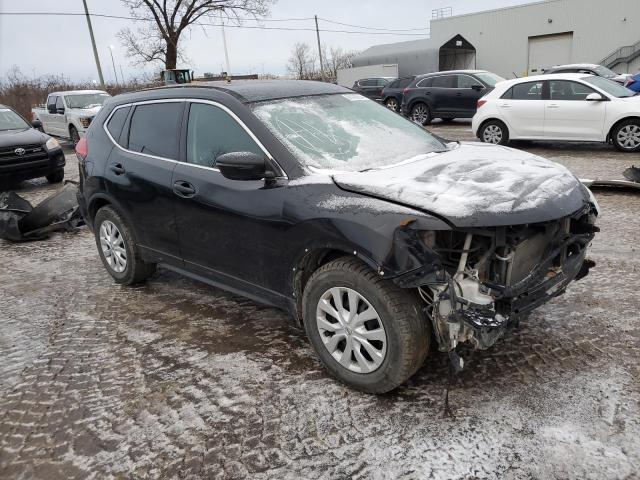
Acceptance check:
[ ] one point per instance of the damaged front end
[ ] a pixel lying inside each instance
(490, 278)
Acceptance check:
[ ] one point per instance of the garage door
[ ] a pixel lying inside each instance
(548, 50)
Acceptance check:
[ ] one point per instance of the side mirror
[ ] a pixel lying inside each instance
(595, 97)
(37, 124)
(243, 166)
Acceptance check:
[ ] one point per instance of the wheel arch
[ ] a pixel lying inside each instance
(618, 122)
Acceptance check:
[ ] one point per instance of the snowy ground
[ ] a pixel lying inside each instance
(175, 379)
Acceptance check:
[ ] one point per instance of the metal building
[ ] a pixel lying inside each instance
(523, 40)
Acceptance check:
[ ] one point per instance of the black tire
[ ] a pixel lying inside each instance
(494, 132)
(626, 135)
(408, 332)
(74, 135)
(56, 177)
(420, 113)
(392, 104)
(136, 270)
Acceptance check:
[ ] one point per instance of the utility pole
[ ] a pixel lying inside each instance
(93, 43)
(113, 63)
(226, 53)
(319, 50)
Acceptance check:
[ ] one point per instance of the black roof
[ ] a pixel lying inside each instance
(262, 90)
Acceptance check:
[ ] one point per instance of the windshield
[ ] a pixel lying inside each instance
(489, 78)
(609, 86)
(604, 72)
(345, 132)
(10, 120)
(86, 100)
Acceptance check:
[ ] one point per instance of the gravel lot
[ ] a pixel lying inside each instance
(175, 379)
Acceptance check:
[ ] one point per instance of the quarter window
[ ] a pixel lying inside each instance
(155, 129)
(213, 132)
(116, 122)
(425, 82)
(566, 90)
(525, 91)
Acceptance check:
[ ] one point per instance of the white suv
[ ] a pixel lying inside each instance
(567, 107)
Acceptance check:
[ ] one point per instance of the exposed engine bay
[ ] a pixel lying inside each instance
(493, 277)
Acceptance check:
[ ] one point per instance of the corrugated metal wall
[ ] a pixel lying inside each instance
(501, 37)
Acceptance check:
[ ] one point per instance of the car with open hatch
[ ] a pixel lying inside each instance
(380, 240)
(565, 107)
(27, 153)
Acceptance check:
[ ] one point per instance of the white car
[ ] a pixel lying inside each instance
(567, 107)
(69, 114)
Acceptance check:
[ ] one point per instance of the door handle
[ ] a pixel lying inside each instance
(117, 168)
(459, 94)
(505, 105)
(184, 189)
(553, 105)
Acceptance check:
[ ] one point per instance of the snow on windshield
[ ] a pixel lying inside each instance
(86, 100)
(344, 132)
(10, 120)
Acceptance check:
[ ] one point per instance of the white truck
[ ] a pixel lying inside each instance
(69, 114)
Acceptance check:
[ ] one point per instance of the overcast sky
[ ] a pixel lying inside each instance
(42, 45)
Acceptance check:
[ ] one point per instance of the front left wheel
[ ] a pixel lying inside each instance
(56, 177)
(626, 136)
(118, 250)
(369, 333)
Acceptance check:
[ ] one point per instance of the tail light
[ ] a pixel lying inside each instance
(405, 90)
(481, 102)
(628, 82)
(82, 148)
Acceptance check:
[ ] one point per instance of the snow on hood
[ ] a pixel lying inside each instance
(476, 185)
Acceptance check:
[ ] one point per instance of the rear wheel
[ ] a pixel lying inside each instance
(420, 114)
(369, 333)
(626, 136)
(392, 104)
(495, 132)
(56, 177)
(117, 248)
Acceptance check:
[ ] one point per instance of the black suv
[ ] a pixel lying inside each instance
(446, 95)
(26, 152)
(371, 87)
(392, 94)
(370, 232)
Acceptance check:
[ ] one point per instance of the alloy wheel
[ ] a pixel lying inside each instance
(492, 134)
(392, 104)
(628, 137)
(420, 114)
(112, 244)
(351, 330)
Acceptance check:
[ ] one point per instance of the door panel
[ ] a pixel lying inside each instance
(467, 97)
(569, 116)
(523, 109)
(443, 95)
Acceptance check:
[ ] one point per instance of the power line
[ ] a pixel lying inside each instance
(249, 27)
(373, 28)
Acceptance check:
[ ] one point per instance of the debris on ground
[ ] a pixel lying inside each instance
(20, 221)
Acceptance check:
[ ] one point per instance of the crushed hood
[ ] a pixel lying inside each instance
(474, 185)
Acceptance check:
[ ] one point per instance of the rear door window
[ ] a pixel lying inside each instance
(524, 91)
(369, 82)
(445, 81)
(212, 132)
(155, 129)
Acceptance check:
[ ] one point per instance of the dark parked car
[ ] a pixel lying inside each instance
(446, 95)
(391, 95)
(26, 152)
(589, 69)
(374, 235)
(371, 87)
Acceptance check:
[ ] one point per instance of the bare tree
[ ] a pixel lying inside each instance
(337, 59)
(302, 62)
(166, 20)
